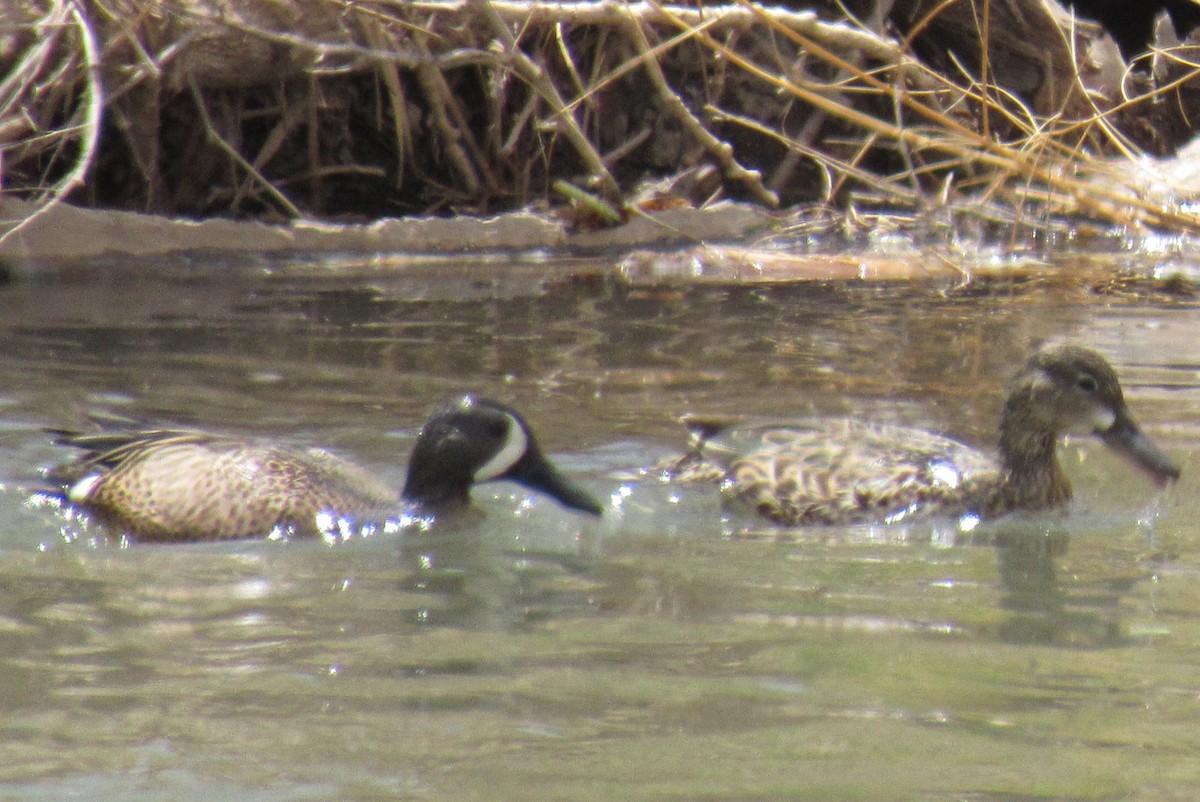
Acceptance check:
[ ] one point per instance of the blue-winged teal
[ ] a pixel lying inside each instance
(177, 485)
(847, 471)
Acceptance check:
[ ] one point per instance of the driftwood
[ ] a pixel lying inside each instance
(286, 109)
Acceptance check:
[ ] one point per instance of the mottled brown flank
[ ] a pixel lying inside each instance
(846, 471)
(190, 486)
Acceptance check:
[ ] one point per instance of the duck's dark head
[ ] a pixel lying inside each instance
(472, 440)
(1069, 389)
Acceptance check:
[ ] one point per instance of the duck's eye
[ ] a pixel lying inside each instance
(1087, 384)
(497, 429)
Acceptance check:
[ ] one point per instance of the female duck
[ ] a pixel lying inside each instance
(177, 485)
(846, 471)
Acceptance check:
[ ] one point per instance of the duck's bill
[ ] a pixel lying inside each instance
(1127, 439)
(540, 475)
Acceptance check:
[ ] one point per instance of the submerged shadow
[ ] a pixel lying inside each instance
(468, 578)
(1044, 609)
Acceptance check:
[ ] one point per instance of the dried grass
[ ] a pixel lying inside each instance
(325, 108)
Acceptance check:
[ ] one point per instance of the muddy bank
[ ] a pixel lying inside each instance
(65, 232)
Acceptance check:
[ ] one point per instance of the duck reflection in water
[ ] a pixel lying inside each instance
(1046, 608)
(845, 471)
(476, 576)
(171, 485)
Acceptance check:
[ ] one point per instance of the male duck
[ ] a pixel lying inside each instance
(846, 471)
(178, 485)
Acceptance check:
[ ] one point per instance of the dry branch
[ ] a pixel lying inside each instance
(386, 107)
(85, 128)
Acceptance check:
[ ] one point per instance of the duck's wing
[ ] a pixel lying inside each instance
(101, 452)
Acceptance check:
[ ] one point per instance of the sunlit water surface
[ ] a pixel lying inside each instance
(669, 651)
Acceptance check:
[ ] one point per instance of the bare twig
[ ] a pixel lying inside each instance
(89, 127)
(441, 101)
(721, 151)
(565, 120)
(236, 157)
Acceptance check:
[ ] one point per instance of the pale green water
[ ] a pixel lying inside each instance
(548, 657)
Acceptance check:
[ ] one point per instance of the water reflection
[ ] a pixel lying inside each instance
(1043, 610)
(389, 343)
(470, 580)
(670, 650)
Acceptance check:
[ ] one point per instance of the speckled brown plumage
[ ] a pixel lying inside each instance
(830, 471)
(168, 485)
(176, 485)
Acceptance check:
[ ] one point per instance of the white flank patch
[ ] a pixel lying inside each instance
(946, 473)
(82, 490)
(512, 450)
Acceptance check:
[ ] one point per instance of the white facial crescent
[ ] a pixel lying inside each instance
(513, 449)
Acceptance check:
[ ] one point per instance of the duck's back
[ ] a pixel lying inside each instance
(841, 470)
(179, 485)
